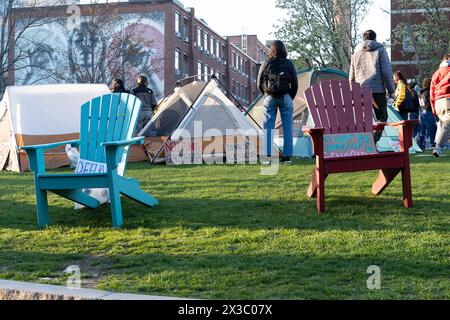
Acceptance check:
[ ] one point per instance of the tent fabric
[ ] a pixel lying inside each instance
(306, 78)
(42, 114)
(303, 145)
(171, 110)
(196, 102)
(390, 135)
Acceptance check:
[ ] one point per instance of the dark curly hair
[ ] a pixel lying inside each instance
(277, 50)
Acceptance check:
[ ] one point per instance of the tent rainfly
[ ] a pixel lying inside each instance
(202, 111)
(41, 114)
(302, 144)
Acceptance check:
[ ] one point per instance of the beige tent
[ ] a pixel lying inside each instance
(201, 111)
(41, 114)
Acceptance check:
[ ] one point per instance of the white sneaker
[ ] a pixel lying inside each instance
(437, 152)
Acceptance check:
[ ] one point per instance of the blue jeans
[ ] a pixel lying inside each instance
(415, 116)
(427, 128)
(271, 106)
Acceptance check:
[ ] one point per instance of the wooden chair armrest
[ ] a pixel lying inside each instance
(113, 152)
(137, 140)
(379, 126)
(317, 139)
(312, 131)
(403, 123)
(73, 143)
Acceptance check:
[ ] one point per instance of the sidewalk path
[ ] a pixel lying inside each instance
(13, 290)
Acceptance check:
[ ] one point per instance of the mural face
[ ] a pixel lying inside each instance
(59, 54)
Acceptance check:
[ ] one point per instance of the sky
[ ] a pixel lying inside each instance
(232, 17)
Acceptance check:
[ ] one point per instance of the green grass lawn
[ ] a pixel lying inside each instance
(228, 232)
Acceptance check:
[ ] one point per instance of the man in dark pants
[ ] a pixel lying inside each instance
(371, 67)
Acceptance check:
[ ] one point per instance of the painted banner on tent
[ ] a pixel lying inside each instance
(183, 152)
(241, 152)
(349, 145)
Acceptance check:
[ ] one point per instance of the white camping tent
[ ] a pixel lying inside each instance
(40, 114)
(200, 112)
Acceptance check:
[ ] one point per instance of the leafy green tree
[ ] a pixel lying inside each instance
(322, 33)
(424, 41)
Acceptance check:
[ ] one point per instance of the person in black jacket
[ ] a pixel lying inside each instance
(146, 95)
(277, 80)
(118, 86)
(428, 125)
(414, 113)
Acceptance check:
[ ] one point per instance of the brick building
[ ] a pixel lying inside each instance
(402, 54)
(188, 47)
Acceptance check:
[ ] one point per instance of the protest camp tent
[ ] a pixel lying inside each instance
(302, 144)
(41, 114)
(198, 103)
(306, 78)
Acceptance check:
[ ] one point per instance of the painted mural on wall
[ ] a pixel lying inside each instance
(125, 46)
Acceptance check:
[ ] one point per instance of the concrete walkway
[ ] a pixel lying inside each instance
(13, 290)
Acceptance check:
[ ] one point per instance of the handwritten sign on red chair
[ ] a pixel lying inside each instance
(349, 145)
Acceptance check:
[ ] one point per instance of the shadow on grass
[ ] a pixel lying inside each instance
(344, 213)
(239, 276)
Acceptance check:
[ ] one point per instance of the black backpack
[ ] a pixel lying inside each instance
(407, 104)
(277, 81)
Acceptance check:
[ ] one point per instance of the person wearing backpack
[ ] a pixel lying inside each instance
(440, 103)
(370, 66)
(149, 103)
(415, 107)
(277, 81)
(427, 120)
(403, 98)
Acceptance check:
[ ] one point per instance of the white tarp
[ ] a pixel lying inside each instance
(42, 114)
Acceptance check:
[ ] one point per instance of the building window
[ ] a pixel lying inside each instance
(199, 37)
(186, 64)
(205, 41)
(177, 61)
(233, 89)
(234, 60)
(177, 25)
(205, 72)
(211, 42)
(217, 49)
(186, 29)
(199, 70)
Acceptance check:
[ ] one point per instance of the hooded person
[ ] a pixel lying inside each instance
(440, 103)
(146, 95)
(370, 66)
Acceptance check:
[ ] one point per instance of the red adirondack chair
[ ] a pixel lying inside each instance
(343, 139)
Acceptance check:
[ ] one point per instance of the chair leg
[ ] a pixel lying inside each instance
(407, 192)
(384, 179)
(140, 196)
(320, 191)
(312, 189)
(116, 206)
(42, 208)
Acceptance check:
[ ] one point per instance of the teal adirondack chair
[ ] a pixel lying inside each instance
(107, 129)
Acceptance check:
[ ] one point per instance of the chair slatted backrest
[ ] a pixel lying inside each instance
(109, 118)
(340, 107)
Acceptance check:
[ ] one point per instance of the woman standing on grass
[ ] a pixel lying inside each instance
(403, 99)
(427, 120)
(440, 102)
(277, 80)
